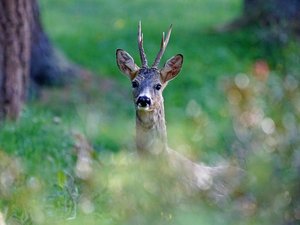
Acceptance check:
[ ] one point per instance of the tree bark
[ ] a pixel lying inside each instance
(48, 65)
(27, 57)
(15, 44)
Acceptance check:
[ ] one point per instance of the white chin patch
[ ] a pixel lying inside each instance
(141, 108)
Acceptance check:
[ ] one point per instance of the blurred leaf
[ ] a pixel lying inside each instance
(61, 179)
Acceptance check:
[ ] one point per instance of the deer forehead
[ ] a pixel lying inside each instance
(147, 79)
(148, 75)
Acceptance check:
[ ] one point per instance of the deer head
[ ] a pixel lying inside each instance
(149, 82)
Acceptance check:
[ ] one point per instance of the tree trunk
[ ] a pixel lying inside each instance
(48, 65)
(274, 11)
(282, 16)
(15, 19)
(27, 57)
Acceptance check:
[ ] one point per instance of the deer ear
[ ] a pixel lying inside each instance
(171, 68)
(126, 63)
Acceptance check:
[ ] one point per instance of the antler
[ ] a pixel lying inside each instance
(163, 45)
(140, 44)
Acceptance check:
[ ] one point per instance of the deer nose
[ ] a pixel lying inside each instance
(143, 101)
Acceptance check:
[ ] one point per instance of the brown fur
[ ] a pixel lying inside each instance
(151, 134)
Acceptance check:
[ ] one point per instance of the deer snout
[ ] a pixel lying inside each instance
(143, 101)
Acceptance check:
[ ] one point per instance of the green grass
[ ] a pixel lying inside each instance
(95, 27)
(94, 34)
(40, 152)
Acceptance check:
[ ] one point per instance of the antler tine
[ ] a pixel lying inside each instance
(141, 48)
(163, 45)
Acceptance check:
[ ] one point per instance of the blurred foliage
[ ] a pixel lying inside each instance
(70, 158)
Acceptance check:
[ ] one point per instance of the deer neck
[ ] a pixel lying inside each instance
(151, 133)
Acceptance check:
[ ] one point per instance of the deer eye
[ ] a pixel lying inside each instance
(157, 87)
(135, 84)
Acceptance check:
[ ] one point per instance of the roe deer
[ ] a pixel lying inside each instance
(148, 84)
